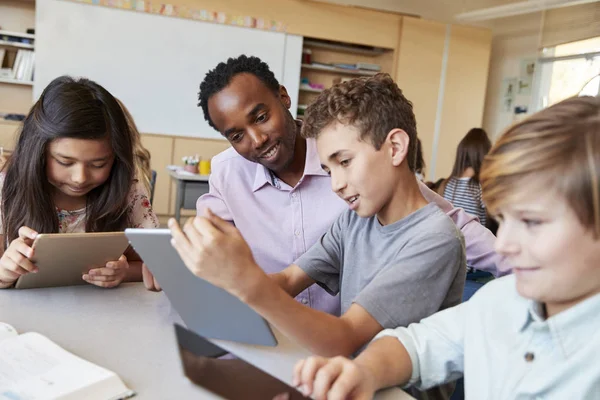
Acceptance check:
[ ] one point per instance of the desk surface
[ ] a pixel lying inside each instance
(129, 330)
(186, 176)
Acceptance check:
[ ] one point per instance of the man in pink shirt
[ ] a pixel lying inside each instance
(270, 183)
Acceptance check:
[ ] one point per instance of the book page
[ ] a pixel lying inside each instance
(7, 331)
(32, 367)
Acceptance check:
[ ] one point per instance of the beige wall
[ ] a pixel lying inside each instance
(319, 20)
(420, 55)
(464, 92)
(419, 72)
(417, 65)
(514, 39)
(17, 15)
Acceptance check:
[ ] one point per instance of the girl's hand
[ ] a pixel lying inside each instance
(16, 260)
(149, 280)
(110, 276)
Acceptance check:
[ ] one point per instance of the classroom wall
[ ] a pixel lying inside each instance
(318, 20)
(420, 55)
(514, 39)
(446, 85)
(464, 92)
(418, 47)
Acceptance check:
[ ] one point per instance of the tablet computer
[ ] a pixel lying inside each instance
(232, 379)
(206, 309)
(62, 258)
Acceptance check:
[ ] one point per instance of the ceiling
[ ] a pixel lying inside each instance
(438, 10)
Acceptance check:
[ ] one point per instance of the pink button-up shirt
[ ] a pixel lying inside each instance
(281, 222)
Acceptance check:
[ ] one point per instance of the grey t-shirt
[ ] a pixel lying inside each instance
(400, 273)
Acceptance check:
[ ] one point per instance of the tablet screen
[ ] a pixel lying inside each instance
(231, 379)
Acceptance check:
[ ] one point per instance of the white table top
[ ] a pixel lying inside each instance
(129, 330)
(187, 176)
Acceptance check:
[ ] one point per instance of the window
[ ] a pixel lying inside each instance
(568, 70)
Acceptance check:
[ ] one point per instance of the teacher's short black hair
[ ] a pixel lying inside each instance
(218, 78)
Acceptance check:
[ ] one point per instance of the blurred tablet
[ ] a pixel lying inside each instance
(232, 379)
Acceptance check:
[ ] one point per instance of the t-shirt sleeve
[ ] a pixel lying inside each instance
(322, 262)
(416, 285)
(141, 214)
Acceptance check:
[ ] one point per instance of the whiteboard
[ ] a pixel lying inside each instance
(153, 63)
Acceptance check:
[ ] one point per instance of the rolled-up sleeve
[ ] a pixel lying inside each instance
(435, 346)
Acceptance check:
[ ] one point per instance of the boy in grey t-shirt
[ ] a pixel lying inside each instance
(399, 273)
(394, 257)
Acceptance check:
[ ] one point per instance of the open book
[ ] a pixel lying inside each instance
(32, 367)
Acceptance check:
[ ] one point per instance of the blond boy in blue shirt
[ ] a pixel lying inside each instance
(530, 335)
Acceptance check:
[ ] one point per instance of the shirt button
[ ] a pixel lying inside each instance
(297, 233)
(529, 357)
(293, 195)
(304, 301)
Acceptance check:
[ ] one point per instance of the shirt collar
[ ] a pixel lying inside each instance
(312, 166)
(570, 329)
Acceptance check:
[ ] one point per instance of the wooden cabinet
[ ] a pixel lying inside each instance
(205, 148)
(443, 70)
(168, 150)
(321, 65)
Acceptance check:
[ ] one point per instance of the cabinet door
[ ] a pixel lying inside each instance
(464, 92)
(161, 151)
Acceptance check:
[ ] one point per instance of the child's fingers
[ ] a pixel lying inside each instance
(19, 255)
(149, 279)
(22, 248)
(348, 380)
(204, 227)
(297, 373)
(117, 264)
(104, 284)
(193, 233)
(27, 233)
(179, 237)
(219, 223)
(325, 377)
(10, 271)
(309, 370)
(103, 272)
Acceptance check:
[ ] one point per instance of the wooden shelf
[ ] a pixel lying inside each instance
(16, 44)
(16, 82)
(310, 89)
(346, 48)
(17, 34)
(9, 122)
(339, 70)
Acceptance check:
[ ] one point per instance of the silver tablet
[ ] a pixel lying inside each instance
(206, 309)
(63, 258)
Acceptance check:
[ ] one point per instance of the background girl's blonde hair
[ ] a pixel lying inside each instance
(558, 149)
(141, 155)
